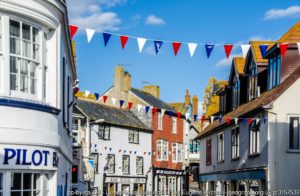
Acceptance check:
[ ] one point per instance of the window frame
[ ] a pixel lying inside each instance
(95, 157)
(208, 159)
(123, 165)
(254, 145)
(162, 150)
(235, 143)
(174, 125)
(135, 136)
(160, 116)
(109, 164)
(220, 148)
(103, 129)
(142, 165)
(289, 135)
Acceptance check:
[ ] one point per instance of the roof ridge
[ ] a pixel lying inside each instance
(292, 29)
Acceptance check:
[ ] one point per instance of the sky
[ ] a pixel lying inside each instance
(215, 21)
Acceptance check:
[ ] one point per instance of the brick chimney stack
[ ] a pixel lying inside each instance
(119, 78)
(187, 100)
(195, 101)
(152, 89)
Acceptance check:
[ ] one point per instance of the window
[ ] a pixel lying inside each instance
(125, 164)
(252, 81)
(194, 146)
(24, 57)
(29, 184)
(160, 120)
(236, 95)
(95, 157)
(139, 165)
(208, 151)
(111, 163)
(162, 150)
(186, 127)
(254, 138)
(235, 137)
(1, 177)
(75, 132)
(294, 135)
(104, 132)
(274, 71)
(0, 38)
(174, 125)
(220, 147)
(133, 136)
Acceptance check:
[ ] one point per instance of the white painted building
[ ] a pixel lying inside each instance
(36, 64)
(120, 148)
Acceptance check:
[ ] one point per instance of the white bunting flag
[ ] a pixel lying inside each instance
(87, 93)
(298, 44)
(162, 111)
(236, 120)
(212, 119)
(141, 43)
(90, 33)
(139, 107)
(245, 49)
(192, 48)
(113, 100)
(187, 116)
(257, 121)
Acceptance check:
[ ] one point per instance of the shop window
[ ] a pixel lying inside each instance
(133, 136)
(104, 132)
(125, 189)
(126, 164)
(139, 165)
(139, 189)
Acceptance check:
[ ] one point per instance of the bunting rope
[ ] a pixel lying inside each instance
(192, 46)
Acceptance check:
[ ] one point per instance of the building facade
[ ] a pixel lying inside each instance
(255, 146)
(119, 153)
(35, 142)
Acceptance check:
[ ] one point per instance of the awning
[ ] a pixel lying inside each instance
(242, 175)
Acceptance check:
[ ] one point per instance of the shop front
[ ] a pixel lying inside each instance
(168, 182)
(124, 185)
(30, 170)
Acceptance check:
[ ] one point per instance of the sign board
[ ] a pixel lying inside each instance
(169, 172)
(125, 180)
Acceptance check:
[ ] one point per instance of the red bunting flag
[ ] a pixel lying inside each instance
(73, 30)
(228, 48)
(228, 120)
(129, 105)
(130, 151)
(203, 119)
(154, 110)
(120, 150)
(283, 48)
(124, 40)
(178, 114)
(176, 46)
(144, 153)
(105, 147)
(249, 121)
(104, 98)
(75, 90)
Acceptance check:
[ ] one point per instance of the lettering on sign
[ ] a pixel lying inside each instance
(125, 180)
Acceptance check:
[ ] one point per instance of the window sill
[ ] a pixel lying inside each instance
(235, 159)
(133, 143)
(220, 162)
(254, 155)
(293, 151)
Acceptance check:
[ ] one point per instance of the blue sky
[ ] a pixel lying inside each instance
(213, 21)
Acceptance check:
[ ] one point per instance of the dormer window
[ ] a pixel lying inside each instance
(235, 95)
(274, 71)
(252, 81)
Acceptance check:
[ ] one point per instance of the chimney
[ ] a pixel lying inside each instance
(74, 52)
(127, 81)
(119, 78)
(195, 104)
(187, 100)
(152, 89)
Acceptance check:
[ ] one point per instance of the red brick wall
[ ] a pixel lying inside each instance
(166, 134)
(290, 61)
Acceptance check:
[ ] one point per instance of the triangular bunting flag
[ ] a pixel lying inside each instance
(110, 149)
(124, 40)
(178, 114)
(265, 120)
(202, 119)
(170, 113)
(212, 118)
(87, 93)
(263, 50)
(245, 49)
(89, 34)
(120, 150)
(147, 109)
(154, 110)
(195, 117)
(157, 46)
(245, 121)
(121, 103)
(220, 119)
(113, 100)
(162, 111)
(139, 107)
(106, 37)
(283, 48)
(104, 98)
(228, 120)
(96, 96)
(209, 48)
(141, 43)
(73, 30)
(249, 121)
(228, 49)
(192, 48)
(129, 105)
(257, 121)
(298, 44)
(176, 46)
(236, 120)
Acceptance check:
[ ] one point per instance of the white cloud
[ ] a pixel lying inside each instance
(89, 14)
(293, 11)
(154, 20)
(226, 62)
(259, 38)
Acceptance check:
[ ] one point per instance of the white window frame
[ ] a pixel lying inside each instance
(235, 142)
(133, 136)
(220, 150)
(160, 116)
(139, 165)
(162, 150)
(289, 134)
(176, 152)
(254, 139)
(174, 125)
(111, 163)
(124, 167)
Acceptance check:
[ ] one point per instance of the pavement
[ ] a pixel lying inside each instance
(194, 189)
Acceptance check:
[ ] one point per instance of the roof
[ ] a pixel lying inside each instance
(111, 115)
(150, 99)
(239, 63)
(265, 99)
(292, 35)
(256, 50)
(80, 94)
(180, 107)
